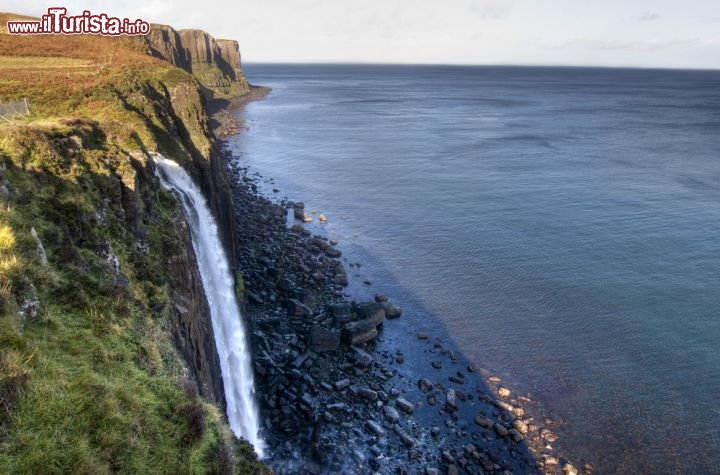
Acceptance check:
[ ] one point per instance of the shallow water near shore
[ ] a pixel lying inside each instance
(561, 225)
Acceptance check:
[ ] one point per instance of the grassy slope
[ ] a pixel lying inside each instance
(92, 383)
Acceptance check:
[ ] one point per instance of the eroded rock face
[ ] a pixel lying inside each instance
(215, 63)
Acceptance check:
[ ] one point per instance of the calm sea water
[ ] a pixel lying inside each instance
(563, 226)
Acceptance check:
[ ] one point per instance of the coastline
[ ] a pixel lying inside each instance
(222, 121)
(332, 407)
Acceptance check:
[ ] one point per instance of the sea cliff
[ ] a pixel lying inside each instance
(109, 360)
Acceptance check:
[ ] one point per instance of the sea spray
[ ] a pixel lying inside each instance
(217, 280)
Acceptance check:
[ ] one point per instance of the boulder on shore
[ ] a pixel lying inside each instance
(321, 339)
(357, 333)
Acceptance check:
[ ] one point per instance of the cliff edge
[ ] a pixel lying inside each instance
(215, 63)
(109, 361)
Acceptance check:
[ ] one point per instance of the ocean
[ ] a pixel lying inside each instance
(560, 226)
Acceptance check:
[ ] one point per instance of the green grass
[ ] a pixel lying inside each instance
(94, 383)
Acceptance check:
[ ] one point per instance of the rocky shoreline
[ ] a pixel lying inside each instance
(331, 402)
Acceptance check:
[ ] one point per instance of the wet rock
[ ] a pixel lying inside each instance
(341, 279)
(342, 384)
(483, 421)
(375, 428)
(381, 298)
(405, 405)
(391, 414)
(371, 311)
(425, 385)
(422, 336)
(298, 309)
(299, 211)
(368, 394)
(569, 470)
(406, 440)
(520, 426)
(548, 435)
(516, 436)
(501, 430)
(431, 471)
(361, 357)
(450, 400)
(435, 431)
(357, 333)
(337, 406)
(253, 298)
(321, 340)
(341, 313)
(436, 364)
(393, 312)
(503, 405)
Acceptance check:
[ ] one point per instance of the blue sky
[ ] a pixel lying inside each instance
(638, 33)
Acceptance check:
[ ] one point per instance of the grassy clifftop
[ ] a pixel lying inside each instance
(101, 331)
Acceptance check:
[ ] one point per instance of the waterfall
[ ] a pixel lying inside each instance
(218, 283)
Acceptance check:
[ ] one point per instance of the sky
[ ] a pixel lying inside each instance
(625, 33)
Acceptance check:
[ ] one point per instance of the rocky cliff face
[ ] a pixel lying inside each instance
(215, 63)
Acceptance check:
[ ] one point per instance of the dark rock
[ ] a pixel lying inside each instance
(501, 430)
(368, 394)
(298, 309)
(371, 311)
(435, 431)
(341, 313)
(392, 311)
(436, 364)
(342, 384)
(337, 406)
(483, 421)
(299, 211)
(341, 279)
(333, 252)
(425, 385)
(391, 414)
(405, 405)
(375, 428)
(380, 298)
(357, 333)
(516, 436)
(406, 440)
(253, 298)
(361, 357)
(321, 340)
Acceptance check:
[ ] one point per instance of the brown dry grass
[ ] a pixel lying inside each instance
(55, 72)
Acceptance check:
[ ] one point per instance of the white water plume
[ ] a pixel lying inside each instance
(230, 337)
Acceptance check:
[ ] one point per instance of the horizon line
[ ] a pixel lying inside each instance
(480, 65)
